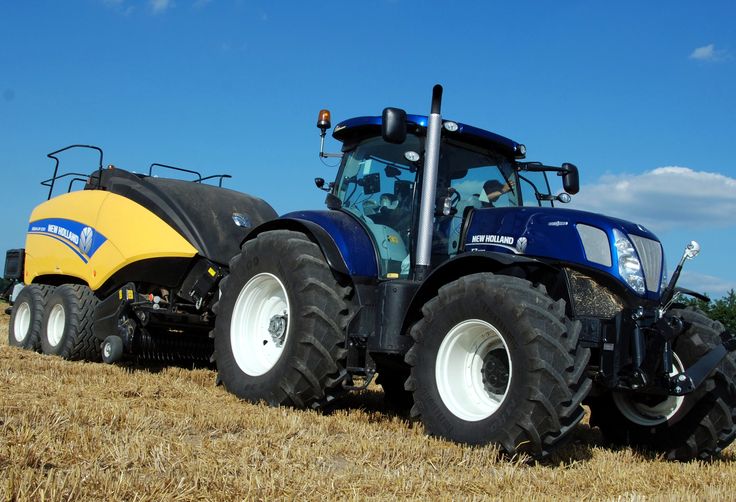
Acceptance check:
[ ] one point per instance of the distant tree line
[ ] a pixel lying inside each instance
(723, 309)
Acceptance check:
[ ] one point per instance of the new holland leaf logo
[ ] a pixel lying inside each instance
(85, 240)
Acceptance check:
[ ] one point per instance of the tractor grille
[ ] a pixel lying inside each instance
(650, 254)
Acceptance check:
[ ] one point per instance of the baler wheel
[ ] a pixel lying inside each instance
(67, 325)
(112, 349)
(27, 316)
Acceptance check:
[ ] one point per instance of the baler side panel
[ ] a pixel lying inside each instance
(92, 234)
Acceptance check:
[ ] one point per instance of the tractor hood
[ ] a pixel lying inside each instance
(627, 251)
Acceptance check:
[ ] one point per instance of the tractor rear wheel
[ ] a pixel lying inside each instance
(67, 325)
(698, 425)
(392, 376)
(27, 316)
(495, 360)
(279, 331)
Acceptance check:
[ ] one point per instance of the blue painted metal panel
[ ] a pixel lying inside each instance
(472, 133)
(549, 233)
(350, 237)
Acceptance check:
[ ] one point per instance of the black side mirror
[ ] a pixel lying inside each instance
(570, 178)
(393, 127)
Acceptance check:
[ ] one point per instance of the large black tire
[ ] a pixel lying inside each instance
(280, 326)
(495, 360)
(392, 377)
(67, 324)
(26, 318)
(696, 426)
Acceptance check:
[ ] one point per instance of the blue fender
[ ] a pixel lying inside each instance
(344, 242)
(466, 264)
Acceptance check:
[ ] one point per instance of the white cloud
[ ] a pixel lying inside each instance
(160, 6)
(708, 53)
(664, 198)
(119, 6)
(715, 287)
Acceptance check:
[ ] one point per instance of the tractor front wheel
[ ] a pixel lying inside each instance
(698, 425)
(495, 360)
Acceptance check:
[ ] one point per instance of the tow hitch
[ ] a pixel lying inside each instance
(689, 380)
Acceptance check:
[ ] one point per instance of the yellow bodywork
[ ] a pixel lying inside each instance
(91, 234)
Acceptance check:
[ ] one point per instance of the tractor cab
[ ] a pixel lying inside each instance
(380, 176)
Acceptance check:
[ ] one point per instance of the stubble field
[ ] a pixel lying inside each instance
(81, 431)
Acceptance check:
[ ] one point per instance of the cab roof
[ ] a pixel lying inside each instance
(466, 133)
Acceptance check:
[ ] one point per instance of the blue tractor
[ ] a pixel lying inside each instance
(442, 266)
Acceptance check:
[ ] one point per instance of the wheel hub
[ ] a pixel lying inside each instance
(277, 328)
(22, 322)
(259, 330)
(473, 370)
(495, 371)
(55, 325)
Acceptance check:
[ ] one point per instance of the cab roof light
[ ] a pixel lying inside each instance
(520, 151)
(323, 120)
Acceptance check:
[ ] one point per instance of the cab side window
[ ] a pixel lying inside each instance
(528, 181)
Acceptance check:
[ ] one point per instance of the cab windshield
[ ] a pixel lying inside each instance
(468, 177)
(378, 184)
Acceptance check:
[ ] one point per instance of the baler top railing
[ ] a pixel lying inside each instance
(220, 176)
(199, 176)
(51, 181)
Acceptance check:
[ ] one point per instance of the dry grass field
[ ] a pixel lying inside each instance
(80, 431)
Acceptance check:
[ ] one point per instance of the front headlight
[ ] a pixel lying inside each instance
(629, 266)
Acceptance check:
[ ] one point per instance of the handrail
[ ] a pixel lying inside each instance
(150, 170)
(221, 176)
(71, 182)
(199, 176)
(50, 182)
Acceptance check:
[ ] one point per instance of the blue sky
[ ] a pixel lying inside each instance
(640, 95)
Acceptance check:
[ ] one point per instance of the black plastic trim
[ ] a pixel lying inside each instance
(318, 234)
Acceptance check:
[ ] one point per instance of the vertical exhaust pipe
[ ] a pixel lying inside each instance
(429, 187)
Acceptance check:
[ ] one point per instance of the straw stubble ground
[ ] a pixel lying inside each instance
(79, 431)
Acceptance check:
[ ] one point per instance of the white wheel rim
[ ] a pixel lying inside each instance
(459, 370)
(55, 326)
(646, 415)
(260, 324)
(22, 322)
(107, 350)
